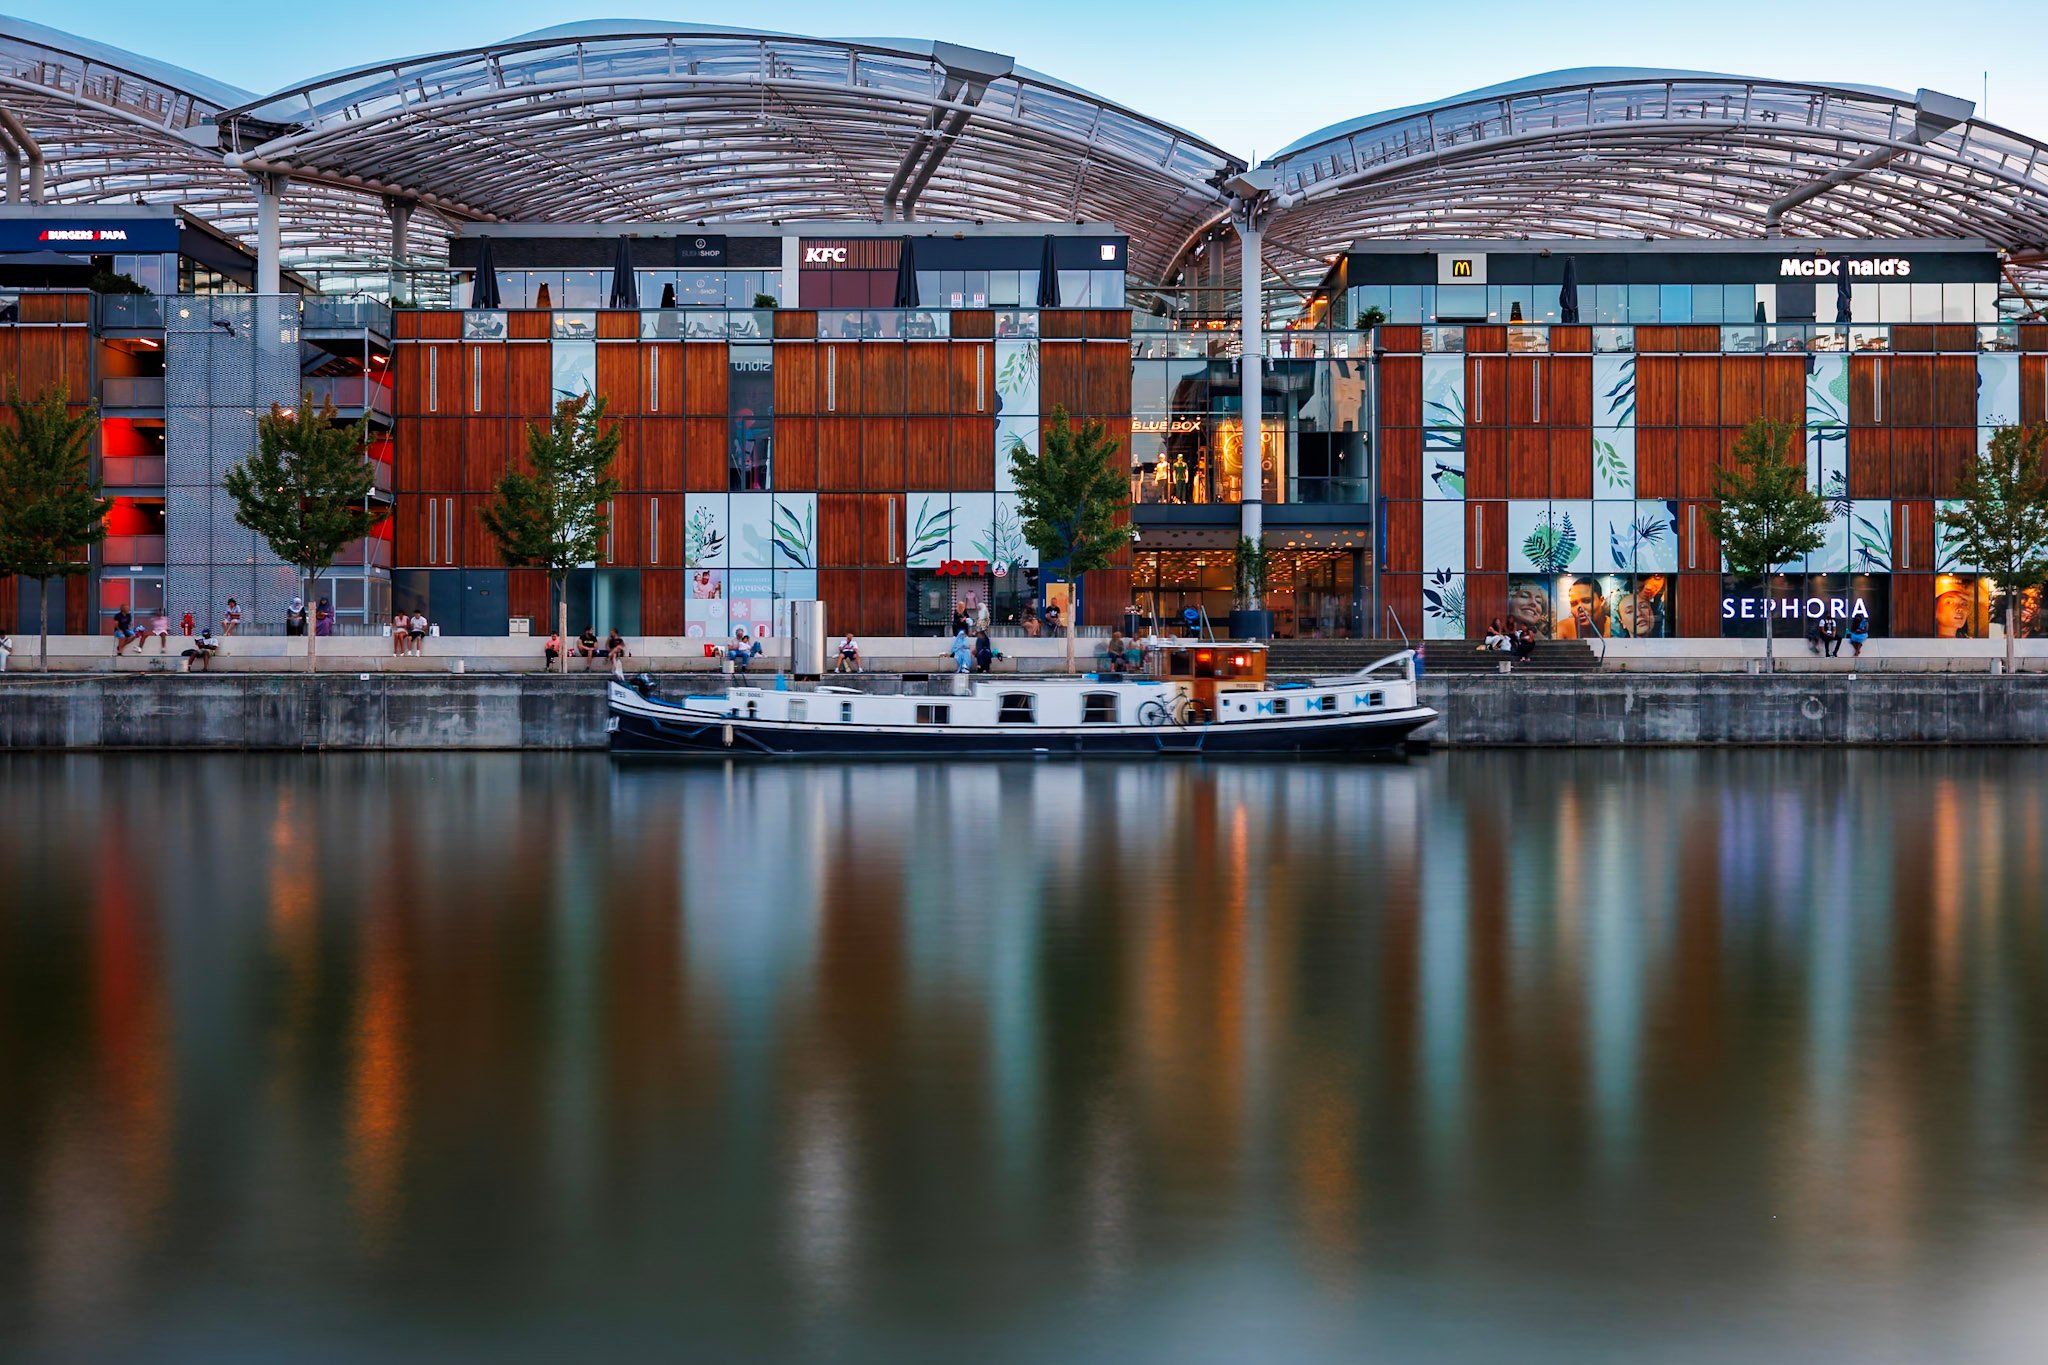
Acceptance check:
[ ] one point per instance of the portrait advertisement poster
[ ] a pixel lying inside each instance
(1789, 603)
(1962, 607)
(750, 601)
(1594, 606)
(704, 608)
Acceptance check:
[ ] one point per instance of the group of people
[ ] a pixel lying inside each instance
(1516, 640)
(1824, 637)
(587, 648)
(1121, 654)
(295, 618)
(408, 632)
(972, 653)
(200, 651)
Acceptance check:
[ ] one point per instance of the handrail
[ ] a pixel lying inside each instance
(1395, 617)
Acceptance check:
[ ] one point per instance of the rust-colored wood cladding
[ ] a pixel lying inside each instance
(620, 378)
(1912, 605)
(882, 601)
(1742, 389)
(796, 380)
(1568, 391)
(1870, 461)
(1529, 463)
(1571, 340)
(793, 323)
(1571, 462)
(706, 464)
(1657, 462)
(1105, 593)
(1486, 397)
(927, 452)
(1401, 462)
(1785, 388)
(882, 467)
(882, 530)
(1486, 536)
(662, 595)
(1062, 324)
(839, 453)
(1699, 603)
(1909, 396)
(839, 535)
(2033, 388)
(526, 594)
(662, 463)
(1699, 452)
(1062, 377)
(839, 590)
(1656, 339)
(1400, 391)
(1486, 340)
(529, 381)
(1486, 597)
(1699, 550)
(1401, 594)
(1404, 535)
(704, 370)
(1912, 462)
(1656, 391)
(1955, 390)
(489, 447)
(1109, 382)
(1912, 338)
(1486, 463)
(529, 324)
(1405, 339)
(1955, 449)
(1699, 391)
(975, 323)
(927, 384)
(839, 378)
(1525, 385)
(796, 453)
(626, 530)
(1699, 338)
(975, 457)
(974, 378)
(1913, 535)
(882, 377)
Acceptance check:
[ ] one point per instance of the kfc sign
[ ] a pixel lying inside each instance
(824, 255)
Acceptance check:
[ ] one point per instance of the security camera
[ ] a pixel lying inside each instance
(1252, 183)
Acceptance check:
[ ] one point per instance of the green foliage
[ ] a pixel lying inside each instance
(552, 514)
(1767, 516)
(1073, 496)
(50, 505)
(2000, 525)
(108, 282)
(1253, 566)
(766, 301)
(1371, 318)
(305, 488)
(1553, 545)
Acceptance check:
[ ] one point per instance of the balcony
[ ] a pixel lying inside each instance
(319, 313)
(352, 396)
(132, 550)
(371, 552)
(129, 312)
(132, 393)
(132, 471)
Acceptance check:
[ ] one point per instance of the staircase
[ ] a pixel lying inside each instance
(1313, 658)
(1552, 656)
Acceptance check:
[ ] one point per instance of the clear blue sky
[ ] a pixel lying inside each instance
(1313, 63)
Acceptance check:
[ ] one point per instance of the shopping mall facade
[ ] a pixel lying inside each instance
(1495, 351)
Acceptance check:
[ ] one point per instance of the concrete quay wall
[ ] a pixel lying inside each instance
(444, 711)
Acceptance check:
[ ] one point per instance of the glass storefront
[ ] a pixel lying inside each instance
(1313, 594)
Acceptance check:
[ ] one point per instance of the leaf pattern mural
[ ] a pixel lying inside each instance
(931, 530)
(704, 531)
(1443, 606)
(1870, 536)
(796, 535)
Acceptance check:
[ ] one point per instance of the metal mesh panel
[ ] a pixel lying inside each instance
(226, 358)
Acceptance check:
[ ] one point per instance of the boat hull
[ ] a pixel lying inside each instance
(658, 731)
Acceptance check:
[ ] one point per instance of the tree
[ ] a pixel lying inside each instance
(1768, 516)
(552, 515)
(305, 490)
(1073, 498)
(1253, 566)
(2000, 525)
(50, 504)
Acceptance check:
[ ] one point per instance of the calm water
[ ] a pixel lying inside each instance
(1542, 1057)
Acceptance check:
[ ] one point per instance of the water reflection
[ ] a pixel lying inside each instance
(1542, 1056)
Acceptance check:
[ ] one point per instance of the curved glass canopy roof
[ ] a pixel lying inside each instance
(627, 120)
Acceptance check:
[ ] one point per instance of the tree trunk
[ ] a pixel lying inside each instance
(562, 616)
(1770, 638)
(1070, 641)
(43, 624)
(312, 624)
(2012, 621)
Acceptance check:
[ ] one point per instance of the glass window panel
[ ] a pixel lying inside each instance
(700, 289)
(551, 281)
(975, 286)
(1987, 302)
(1959, 303)
(1073, 288)
(1610, 303)
(1767, 295)
(1377, 296)
(1925, 301)
(1027, 288)
(1738, 303)
(1520, 297)
(1643, 304)
(584, 288)
(1002, 289)
(1706, 303)
(1460, 302)
(1107, 288)
(931, 288)
(1404, 304)
(574, 365)
(1894, 302)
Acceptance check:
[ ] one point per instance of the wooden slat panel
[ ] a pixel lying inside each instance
(1699, 550)
(882, 365)
(839, 590)
(839, 533)
(528, 381)
(626, 531)
(1913, 462)
(665, 396)
(1528, 463)
(1109, 382)
(839, 378)
(1699, 338)
(839, 453)
(1486, 462)
(1528, 375)
(1571, 462)
(882, 593)
(881, 529)
(796, 380)
(1912, 338)
(1656, 391)
(439, 454)
(1401, 391)
(1664, 339)
(1909, 401)
(974, 323)
(1486, 391)
(882, 453)
(2033, 388)
(1699, 603)
(662, 595)
(1742, 389)
(1404, 537)
(1486, 340)
(474, 545)
(1867, 375)
(1699, 391)
(490, 445)
(1955, 390)
(1104, 595)
(668, 527)
(1955, 449)
(973, 367)
(1912, 605)
(661, 454)
(1401, 593)
(1785, 388)
(1571, 340)
(485, 384)
(528, 324)
(795, 322)
(1486, 599)
(526, 594)
(927, 453)
(1063, 322)
(1956, 337)
(617, 324)
(1657, 462)
(927, 386)
(796, 453)
(1062, 377)
(704, 370)
(1568, 391)
(1401, 462)
(1913, 535)
(975, 456)
(620, 378)
(628, 467)
(1486, 536)
(1406, 339)
(1870, 462)
(1699, 453)
(705, 463)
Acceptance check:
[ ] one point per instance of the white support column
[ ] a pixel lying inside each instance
(400, 210)
(1251, 373)
(269, 251)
